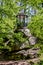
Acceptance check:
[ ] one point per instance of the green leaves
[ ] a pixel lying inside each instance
(19, 36)
(8, 11)
(36, 26)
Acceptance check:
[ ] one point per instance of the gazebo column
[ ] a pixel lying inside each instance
(24, 20)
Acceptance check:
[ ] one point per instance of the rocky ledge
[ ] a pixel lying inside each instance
(21, 62)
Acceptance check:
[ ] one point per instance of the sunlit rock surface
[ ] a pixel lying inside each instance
(29, 53)
(26, 31)
(21, 62)
(24, 45)
(32, 39)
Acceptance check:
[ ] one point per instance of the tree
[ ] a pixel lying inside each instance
(36, 24)
(8, 11)
(8, 24)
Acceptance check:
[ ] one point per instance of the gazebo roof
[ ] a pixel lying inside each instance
(22, 14)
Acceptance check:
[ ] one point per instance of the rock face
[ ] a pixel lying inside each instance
(32, 39)
(29, 53)
(24, 45)
(26, 31)
(15, 63)
(23, 62)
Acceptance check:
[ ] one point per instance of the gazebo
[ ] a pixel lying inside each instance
(23, 19)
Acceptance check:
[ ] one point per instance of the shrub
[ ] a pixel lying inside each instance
(36, 26)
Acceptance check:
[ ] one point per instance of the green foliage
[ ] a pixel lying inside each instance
(35, 4)
(8, 11)
(39, 63)
(36, 26)
(19, 37)
(8, 24)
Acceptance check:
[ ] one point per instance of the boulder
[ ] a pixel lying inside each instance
(32, 40)
(26, 32)
(24, 45)
(31, 53)
(14, 63)
(24, 63)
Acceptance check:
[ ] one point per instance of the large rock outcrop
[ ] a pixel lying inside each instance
(26, 31)
(29, 53)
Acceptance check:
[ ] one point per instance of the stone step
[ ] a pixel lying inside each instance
(20, 62)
